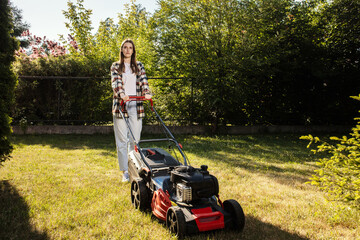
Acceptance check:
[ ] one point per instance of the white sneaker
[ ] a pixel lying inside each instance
(126, 177)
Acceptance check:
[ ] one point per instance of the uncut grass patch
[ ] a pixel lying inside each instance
(69, 187)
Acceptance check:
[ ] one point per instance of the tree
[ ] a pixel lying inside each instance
(8, 45)
(342, 44)
(244, 58)
(19, 25)
(201, 40)
(79, 25)
(285, 73)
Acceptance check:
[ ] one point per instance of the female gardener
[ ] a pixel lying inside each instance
(128, 78)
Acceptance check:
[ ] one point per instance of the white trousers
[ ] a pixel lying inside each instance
(123, 139)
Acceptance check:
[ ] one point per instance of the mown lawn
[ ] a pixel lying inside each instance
(69, 187)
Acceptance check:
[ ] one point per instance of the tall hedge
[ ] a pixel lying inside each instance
(8, 45)
(74, 100)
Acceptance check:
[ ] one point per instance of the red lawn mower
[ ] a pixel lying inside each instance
(184, 197)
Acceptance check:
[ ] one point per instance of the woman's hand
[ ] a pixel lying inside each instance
(147, 96)
(125, 98)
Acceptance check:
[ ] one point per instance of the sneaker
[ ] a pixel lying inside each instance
(126, 177)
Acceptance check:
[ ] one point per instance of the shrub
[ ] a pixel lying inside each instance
(8, 45)
(66, 101)
(339, 172)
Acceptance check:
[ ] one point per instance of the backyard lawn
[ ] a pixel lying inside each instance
(69, 187)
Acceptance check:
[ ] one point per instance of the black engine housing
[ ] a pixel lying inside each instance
(203, 184)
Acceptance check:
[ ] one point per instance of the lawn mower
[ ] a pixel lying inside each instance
(184, 197)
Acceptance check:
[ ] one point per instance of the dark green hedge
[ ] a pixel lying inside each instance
(84, 97)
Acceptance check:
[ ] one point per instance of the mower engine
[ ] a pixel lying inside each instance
(193, 184)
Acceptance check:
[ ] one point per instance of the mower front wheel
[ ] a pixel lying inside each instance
(175, 221)
(139, 194)
(237, 214)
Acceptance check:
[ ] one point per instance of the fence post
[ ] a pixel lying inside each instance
(192, 101)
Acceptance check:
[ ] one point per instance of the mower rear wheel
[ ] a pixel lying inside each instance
(237, 214)
(175, 221)
(139, 194)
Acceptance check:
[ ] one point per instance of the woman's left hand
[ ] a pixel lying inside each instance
(147, 96)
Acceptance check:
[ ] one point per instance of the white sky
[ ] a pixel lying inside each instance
(46, 19)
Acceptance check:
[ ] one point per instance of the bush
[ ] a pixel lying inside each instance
(339, 173)
(73, 100)
(8, 45)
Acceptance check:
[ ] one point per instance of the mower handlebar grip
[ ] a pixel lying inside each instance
(137, 98)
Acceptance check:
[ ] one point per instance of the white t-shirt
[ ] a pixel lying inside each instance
(129, 81)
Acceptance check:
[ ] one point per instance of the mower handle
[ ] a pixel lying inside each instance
(142, 98)
(136, 98)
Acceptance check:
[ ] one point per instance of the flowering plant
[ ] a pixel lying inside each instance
(42, 47)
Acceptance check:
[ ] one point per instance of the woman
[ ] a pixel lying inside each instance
(128, 78)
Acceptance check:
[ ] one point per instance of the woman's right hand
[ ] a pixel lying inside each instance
(125, 98)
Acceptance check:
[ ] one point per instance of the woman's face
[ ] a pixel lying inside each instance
(127, 49)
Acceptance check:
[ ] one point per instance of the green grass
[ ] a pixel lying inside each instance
(69, 187)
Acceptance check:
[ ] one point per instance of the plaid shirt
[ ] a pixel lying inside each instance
(142, 87)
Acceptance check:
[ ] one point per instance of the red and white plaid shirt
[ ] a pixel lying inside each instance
(142, 87)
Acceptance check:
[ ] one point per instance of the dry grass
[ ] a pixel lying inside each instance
(69, 187)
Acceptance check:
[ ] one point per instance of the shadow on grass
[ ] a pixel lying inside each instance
(278, 156)
(269, 148)
(105, 142)
(14, 215)
(283, 157)
(254, 230)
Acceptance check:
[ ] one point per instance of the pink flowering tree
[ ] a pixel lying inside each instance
(41, 47)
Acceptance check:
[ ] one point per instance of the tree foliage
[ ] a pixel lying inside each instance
(341, 42)
(228, 61)
(280, 73)
(246, 59)
(339, 173)
(79, 25)
(202, 42)
(19, 25)
(8, 45)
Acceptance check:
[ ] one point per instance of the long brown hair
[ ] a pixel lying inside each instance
(133, 63)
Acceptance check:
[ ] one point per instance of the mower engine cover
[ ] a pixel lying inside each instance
(193, 184)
